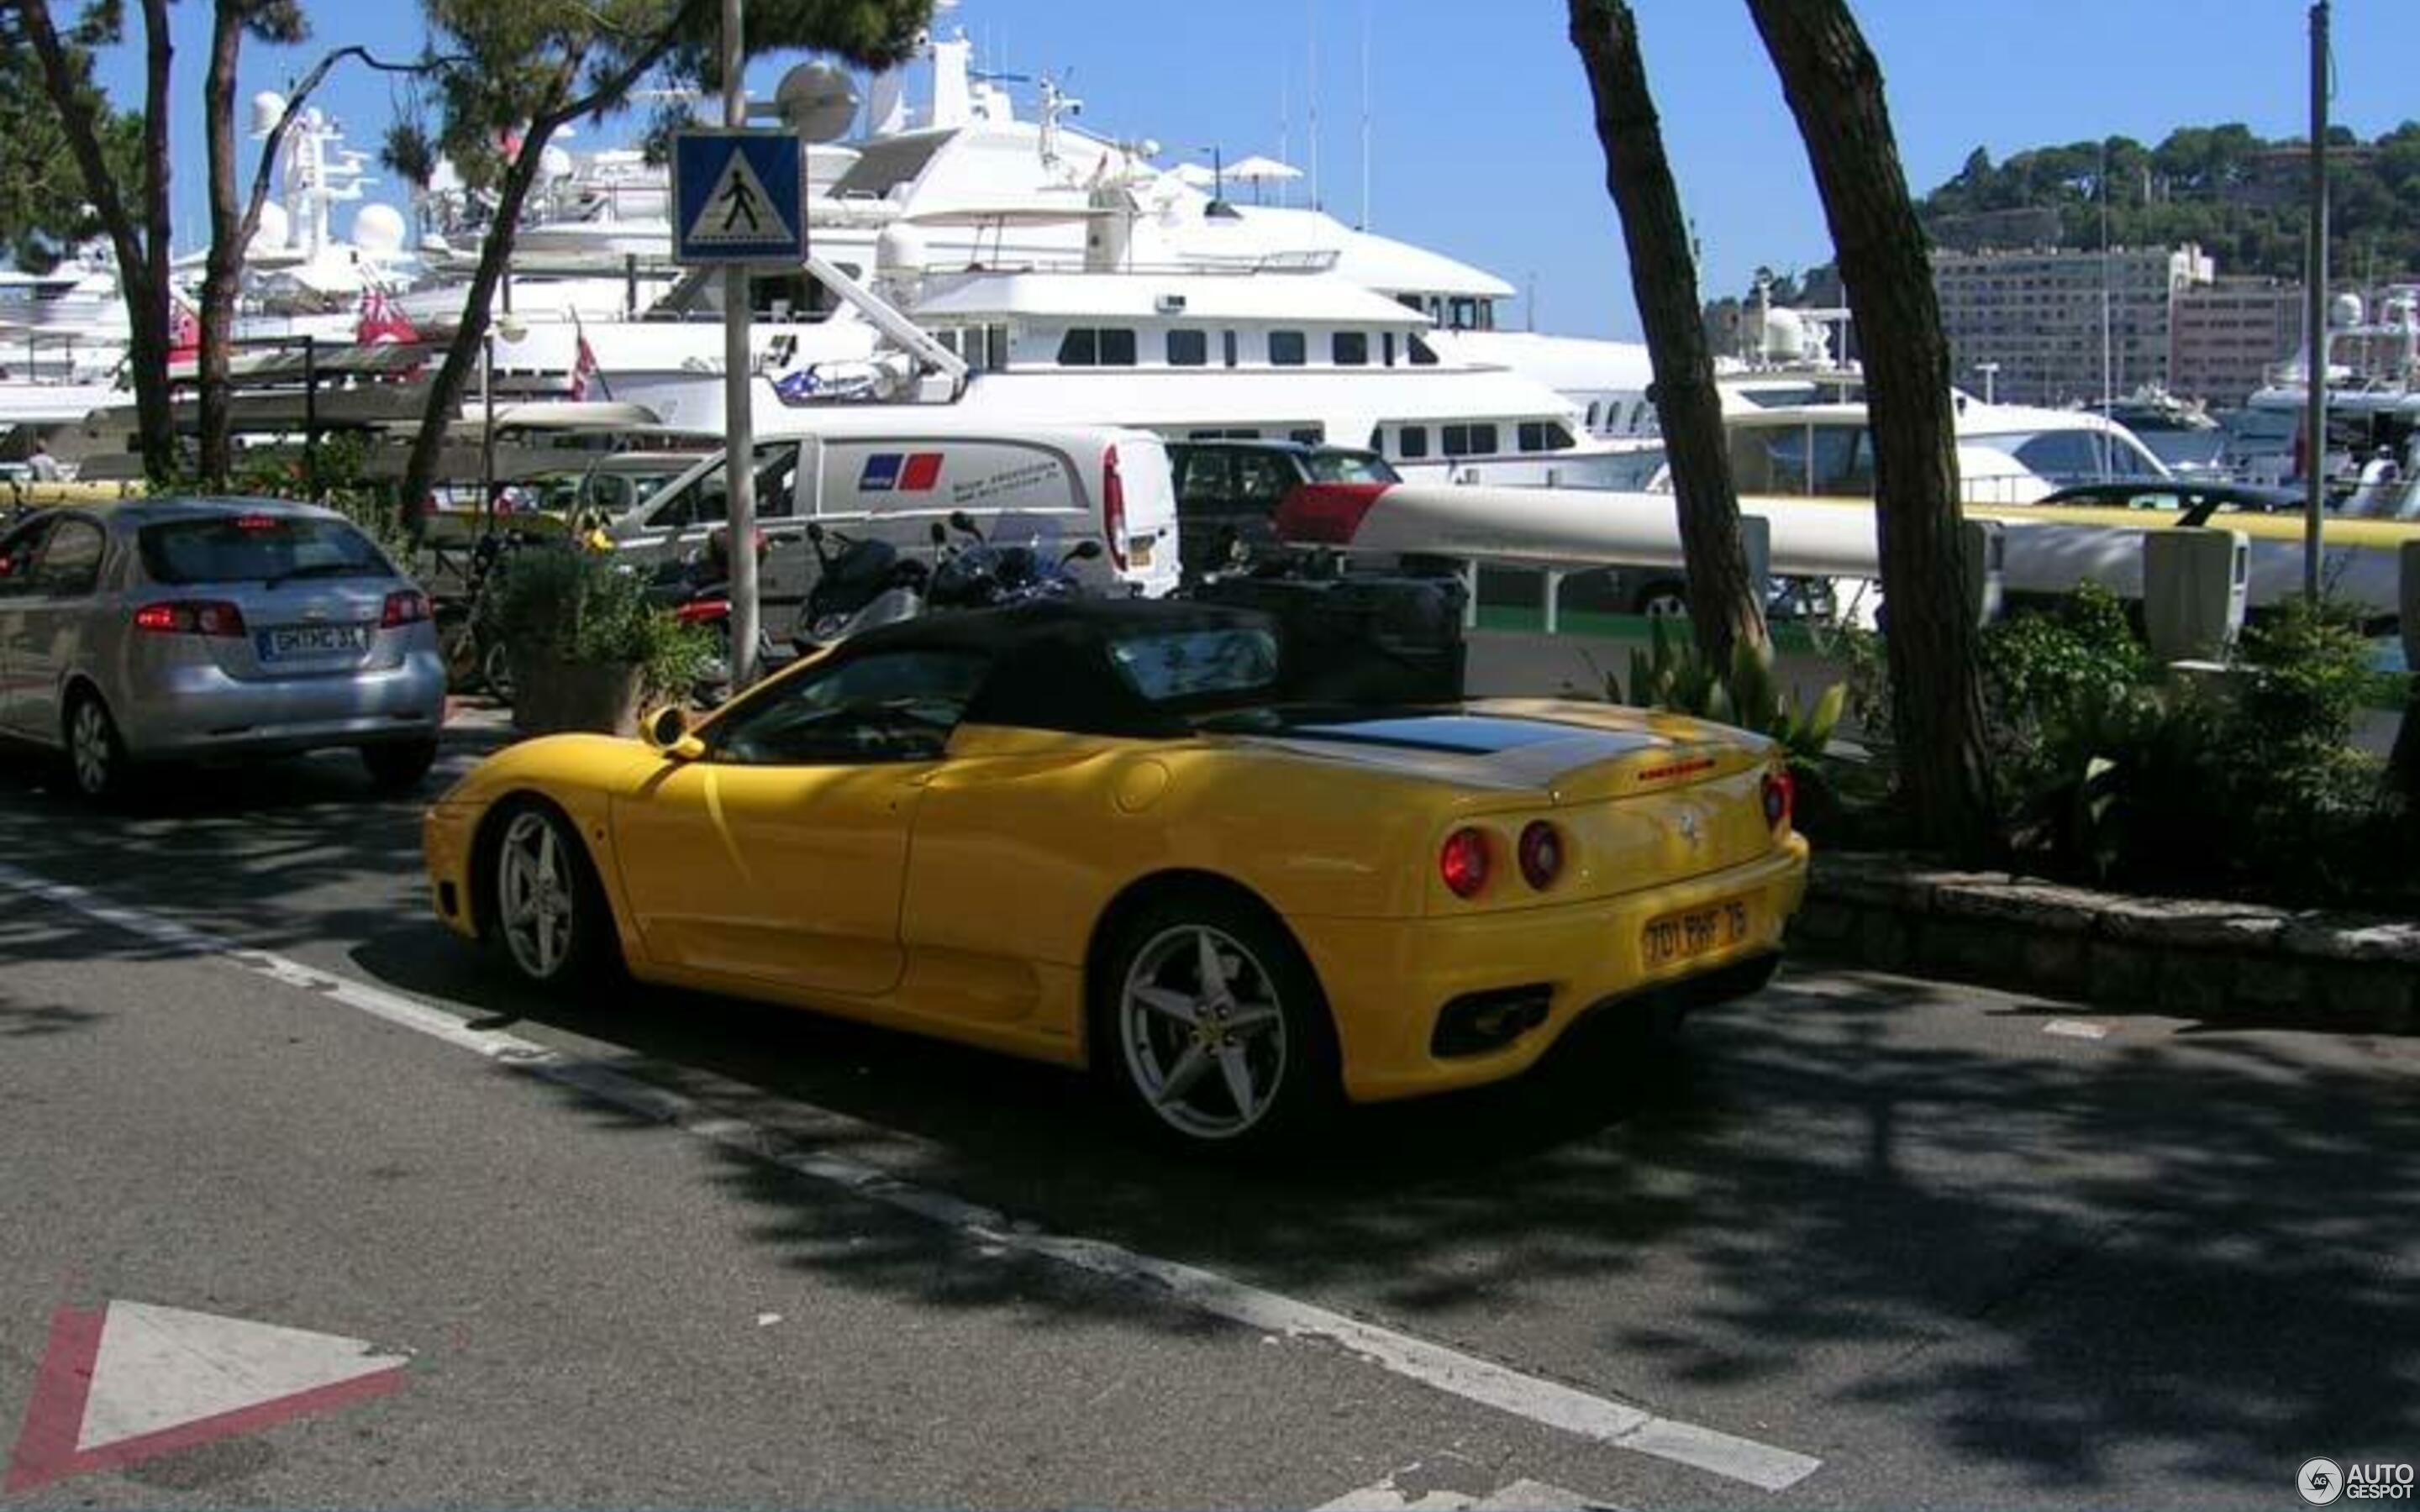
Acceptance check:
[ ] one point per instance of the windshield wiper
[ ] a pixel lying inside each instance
(323, 569)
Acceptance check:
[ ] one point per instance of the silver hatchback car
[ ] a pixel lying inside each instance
(195, 629)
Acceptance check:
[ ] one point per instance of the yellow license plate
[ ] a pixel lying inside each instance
(1694, 932)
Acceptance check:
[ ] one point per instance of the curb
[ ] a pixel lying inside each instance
(2241, 963)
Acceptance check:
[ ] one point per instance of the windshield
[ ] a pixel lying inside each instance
(1350, 467)
(224, 548)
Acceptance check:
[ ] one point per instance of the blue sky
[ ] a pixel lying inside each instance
(1479, 117)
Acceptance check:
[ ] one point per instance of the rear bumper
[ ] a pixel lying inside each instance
(189, 712)
(1388, 981)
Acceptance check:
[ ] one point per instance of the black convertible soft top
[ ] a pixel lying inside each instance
(1051, 667)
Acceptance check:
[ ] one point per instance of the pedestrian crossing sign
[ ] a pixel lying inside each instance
(737, 197)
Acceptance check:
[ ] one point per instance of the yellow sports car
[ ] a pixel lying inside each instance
(1099, 834)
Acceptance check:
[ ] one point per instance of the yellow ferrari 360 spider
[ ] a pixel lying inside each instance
(1099, 834)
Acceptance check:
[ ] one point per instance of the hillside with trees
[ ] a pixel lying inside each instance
(2240, 197)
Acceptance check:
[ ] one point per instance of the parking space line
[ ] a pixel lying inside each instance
(1435, 1365)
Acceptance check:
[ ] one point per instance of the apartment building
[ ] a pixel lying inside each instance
(2037, 317)
(2229, 332)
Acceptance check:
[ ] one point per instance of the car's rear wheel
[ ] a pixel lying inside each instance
(97, 761)
(1217, 1031)
(548, 918)
(398, 766)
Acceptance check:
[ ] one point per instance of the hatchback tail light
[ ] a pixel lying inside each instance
(191, 616)
(1462, 862)
(408, 606)
(1113, 508)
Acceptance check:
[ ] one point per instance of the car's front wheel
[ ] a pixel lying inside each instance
(1215, 1030)
(549, 919)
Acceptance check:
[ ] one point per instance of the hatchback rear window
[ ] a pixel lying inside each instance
(1350, 467)
(229, 548)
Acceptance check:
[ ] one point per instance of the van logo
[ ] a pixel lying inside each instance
(900, 472)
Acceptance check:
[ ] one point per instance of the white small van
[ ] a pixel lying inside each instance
(890, 475)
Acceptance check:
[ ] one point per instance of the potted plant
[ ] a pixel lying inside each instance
(588, 647)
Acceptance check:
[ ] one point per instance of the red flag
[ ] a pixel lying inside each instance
(184, 331)
(584, 371)
(382, 320)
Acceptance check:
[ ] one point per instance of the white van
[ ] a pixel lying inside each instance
(890, 476)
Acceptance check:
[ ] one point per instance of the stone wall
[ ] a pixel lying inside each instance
(2211, 961)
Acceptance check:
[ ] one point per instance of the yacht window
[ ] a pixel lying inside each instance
(1287, 348)
(1349, 348)
(1545, 436)
(1307, 435)
(1412, 443)
(1229, 341)
(1423, 355)
(1591, 416)
(1188, 348)
(2064, 456)
(1105, 346)
(1389, 337)
(1464, 316)
(1375, 436)
(1411, 302)
(1470, 440)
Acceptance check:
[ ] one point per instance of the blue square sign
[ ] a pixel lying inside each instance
(738, 197)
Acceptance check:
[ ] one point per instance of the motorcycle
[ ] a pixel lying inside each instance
(696, 587)
(989, 576)
(860, 584)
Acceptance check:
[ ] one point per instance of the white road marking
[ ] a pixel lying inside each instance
(2077, 1028)
(1520, 1496)
(159, 1368)
(1435, 1365)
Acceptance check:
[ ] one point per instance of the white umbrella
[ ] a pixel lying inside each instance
(1257, 171)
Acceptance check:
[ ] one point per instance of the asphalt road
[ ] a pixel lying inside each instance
(1913, 1244)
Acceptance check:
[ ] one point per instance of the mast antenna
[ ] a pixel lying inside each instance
(1313, 89)
(1365, 114)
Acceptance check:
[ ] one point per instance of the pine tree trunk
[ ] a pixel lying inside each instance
(226, 258)
(157, 419)
(454, 374)
(1834, 89)
(1724, 608)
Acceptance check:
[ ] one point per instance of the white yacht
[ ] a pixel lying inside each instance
(2373, 367)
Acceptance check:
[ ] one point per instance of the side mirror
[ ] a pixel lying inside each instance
(666, 731)
(816, 531)
(962, 521)
(1086, 551)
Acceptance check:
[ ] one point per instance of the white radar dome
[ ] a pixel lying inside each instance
(2345, 310)
(377, 230)
(268, 109)
(274, 229)
(900, 249)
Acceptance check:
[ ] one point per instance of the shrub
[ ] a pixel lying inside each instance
(573, 604)
(1671, 674)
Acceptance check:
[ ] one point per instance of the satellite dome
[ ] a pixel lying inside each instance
(274, 228)
(268, 109)
(817, 100)
(555, 163)
(1785, 336)
(377, 230)
(900, 249)
(2345, 310)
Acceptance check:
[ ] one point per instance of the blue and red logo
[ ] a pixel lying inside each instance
(900, 472)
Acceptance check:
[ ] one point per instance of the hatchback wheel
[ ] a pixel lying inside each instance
(399, 767)
(97, 761)
(1215, 1027)
(550, 915)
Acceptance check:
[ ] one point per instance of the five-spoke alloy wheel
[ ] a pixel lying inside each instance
(1215, 1027)
(549, 916)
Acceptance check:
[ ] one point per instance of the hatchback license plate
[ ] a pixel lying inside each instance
(1694, 932)
(303, 643)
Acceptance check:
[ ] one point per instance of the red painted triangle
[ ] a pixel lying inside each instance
(58, 1441)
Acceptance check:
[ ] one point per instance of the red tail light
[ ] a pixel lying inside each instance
(1325, 514)
(1781, 794)
(1113, 509)
(1541, 854)
(191, 616)
(408, 606)
(1463, 863)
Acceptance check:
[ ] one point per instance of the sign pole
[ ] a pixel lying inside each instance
(739, 465)
(2315, 313)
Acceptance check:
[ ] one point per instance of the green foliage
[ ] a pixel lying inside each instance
(45, 209)
(2244, 783)
(1671, 674)
(572, 604)
(2221, 186)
